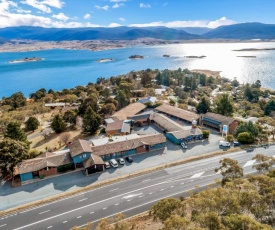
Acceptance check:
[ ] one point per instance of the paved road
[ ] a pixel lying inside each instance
(130, 197)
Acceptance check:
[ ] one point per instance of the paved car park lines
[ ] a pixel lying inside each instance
(249, 163)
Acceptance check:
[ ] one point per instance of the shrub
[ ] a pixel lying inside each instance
(245, 138)
(205, 134)
(230, 138)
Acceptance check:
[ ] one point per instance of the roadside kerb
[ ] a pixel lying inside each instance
(98, 184)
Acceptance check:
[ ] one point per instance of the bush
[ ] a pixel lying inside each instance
(205, 134)
(230, 138)
(245, 138)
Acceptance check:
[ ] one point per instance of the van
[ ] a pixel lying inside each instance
(114, 163)
(224, 143)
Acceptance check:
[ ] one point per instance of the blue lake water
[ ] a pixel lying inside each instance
(68, 68)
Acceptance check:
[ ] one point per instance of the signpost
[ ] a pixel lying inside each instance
(224, 130)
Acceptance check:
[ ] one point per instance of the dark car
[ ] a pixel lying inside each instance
(129, 159)
(236, 143)
(250, 150)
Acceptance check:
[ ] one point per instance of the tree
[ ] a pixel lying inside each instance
(165, 208)
(263, 163)
(32, 124)
(11, 153)
(229, 169)
(58, 124)
(224, 105)
(249, 127)
(205, 134)
(122, 99)
(270, 106)
(203, 106)
(16, 100)
(89, 101)
(108, 109)
(65, 137)
(38, 94)
(14, 132)
(91, 121)
(245, 138)
(172, 102)
(70, 116)
(176, 222)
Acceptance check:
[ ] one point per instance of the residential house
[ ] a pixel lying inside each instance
(118, 127)
(129, 110)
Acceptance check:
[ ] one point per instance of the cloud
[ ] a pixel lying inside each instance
(106, 7)
(197, 23)
(113, 24)
(45, 5)
(143, 5)
(6, 5)
(121, 19)
(21, 11)
(61, 16)
(87, 16)
(117, 5)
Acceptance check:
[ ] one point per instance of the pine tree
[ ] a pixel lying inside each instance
(32, 124)
(203, 106)
(14, 132)
(58, 124)
(91, 121)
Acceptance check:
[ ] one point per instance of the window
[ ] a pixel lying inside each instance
(84, 155)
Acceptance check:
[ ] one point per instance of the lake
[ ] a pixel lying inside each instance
(68, 68)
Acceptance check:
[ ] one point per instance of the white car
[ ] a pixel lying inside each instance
(184, 145)
(121, 161)
(224, 143)
(107, 164)
(114, 163)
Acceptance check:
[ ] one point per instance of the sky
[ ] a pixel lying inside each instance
(112, 13)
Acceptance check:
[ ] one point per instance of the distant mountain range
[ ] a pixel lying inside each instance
(241, 31)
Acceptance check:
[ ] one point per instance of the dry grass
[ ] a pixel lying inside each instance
(99, 184)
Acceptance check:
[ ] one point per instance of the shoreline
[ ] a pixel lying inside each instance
(100, 45)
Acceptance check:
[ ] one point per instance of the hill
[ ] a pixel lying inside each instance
(243, 31)
(194, 30)
(117, 33)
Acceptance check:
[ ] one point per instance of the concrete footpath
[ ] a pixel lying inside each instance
(12, 197)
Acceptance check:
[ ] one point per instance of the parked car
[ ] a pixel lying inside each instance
(107, 164)
(114, 163)
(184, 145)
(129, 159)
(236, 143)
(224, 143)
(250, 150)
(121, 161)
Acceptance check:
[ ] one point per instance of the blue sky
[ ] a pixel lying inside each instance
(110, 13)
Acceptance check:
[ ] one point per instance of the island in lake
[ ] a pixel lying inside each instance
(166, 55)
(136, 57)
(26, 60)
(255, 49)
(195, 56)
(106, 60)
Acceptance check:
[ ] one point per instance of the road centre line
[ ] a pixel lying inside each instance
(3, 225)
(114, 190)
(78, 217)
(64, 222)
(44, 212)
(82, 199)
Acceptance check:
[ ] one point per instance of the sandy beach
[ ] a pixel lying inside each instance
(207, 72)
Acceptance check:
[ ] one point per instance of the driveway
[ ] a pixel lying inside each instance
(11, 197)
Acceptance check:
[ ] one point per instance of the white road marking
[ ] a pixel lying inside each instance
(131, 196)
(49, 227)
(249, 163)
(151, 193)
(44, 212)
(114, 190)
(197, 175)
(172, 186)
(128, 200)
(117, 204)
(162, 189)
(146, 180)
(64, 222)
(104, 208)
(140, 196)
(92, 213)
(78, 217)
(3, 225)
(82, 199)
(182, 183)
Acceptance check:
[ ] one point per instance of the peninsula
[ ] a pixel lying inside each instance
(255, 49)
(202, 56)
(33, 59)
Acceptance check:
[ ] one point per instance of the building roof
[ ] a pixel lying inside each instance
(177, 112)
(93, 160)
(79, 146)
(220, 118)
(148, 100)
(55, 104)
(186, 132)
(166, 123)
(129, 110)
(114, 126)
(43, 161)
(109, 148)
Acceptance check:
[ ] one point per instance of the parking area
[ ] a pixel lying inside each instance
(10, 197)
